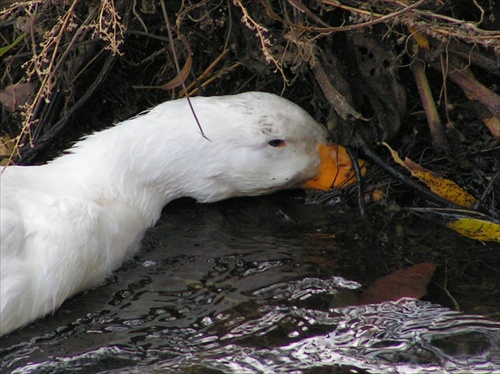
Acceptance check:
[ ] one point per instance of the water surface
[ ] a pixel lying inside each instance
(270, 284)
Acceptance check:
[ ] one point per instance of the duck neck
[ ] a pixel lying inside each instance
(130, 166)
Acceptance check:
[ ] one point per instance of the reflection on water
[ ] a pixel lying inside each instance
(248, 286)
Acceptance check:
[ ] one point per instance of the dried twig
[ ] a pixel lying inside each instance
(176, 61)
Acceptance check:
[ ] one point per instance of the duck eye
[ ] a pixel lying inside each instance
(277, 143)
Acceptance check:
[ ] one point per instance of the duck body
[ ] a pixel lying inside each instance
(67, 224)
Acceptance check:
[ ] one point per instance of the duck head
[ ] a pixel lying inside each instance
(256, 143)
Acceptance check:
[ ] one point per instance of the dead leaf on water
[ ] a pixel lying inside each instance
(410, 282)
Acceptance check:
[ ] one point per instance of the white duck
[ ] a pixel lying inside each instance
(66, 225)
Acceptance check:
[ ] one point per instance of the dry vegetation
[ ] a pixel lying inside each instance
(420, 75)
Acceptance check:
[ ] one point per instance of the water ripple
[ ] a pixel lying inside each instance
(407, 336)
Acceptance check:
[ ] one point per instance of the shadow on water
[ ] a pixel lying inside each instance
(269, 284)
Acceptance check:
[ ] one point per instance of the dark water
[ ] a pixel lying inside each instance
(269, 284)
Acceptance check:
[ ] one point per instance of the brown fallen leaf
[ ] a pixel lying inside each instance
(410, 282)
(183, 74)
(16, 95)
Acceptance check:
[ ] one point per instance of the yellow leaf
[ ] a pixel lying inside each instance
(476, 229)
(445, 188)
(6, 149)
(420, 38)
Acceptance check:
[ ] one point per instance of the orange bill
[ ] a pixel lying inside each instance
(335, 169)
